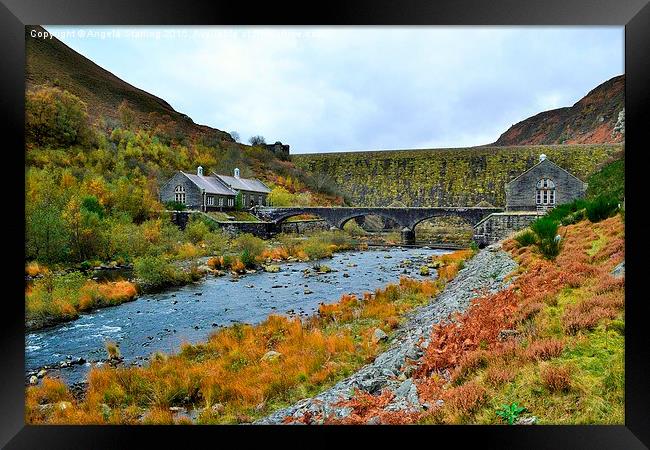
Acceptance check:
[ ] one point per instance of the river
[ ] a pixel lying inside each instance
(163, 321)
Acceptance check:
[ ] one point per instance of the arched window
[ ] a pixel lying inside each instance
(545, 193)
(179, 194)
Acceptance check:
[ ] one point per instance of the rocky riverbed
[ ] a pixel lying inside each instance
(392, 369)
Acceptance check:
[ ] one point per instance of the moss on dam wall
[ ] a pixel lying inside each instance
(446, 177)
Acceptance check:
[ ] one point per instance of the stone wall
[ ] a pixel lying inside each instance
(304, 226)
(498, 226)
(521, 192)
(193, 194)
(262, 230)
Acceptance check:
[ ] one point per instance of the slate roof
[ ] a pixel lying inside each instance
(244, 184)
(211, 184)
(548, 161)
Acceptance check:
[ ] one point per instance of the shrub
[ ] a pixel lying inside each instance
(544, 349)
(546, 229)
(317, 250)
(556, 379)
(467, 399)
(525, 238)
(216, 242)
(250, 245)
(498, 375)
(156, 272)
(601, 208)
(354, 229)
(196, 230)
(573, 218)
(175, 206)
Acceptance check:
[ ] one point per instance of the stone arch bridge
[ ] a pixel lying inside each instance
(407, 218)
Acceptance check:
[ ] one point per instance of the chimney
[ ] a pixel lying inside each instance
(236, 173)
(199, 171)
(542, 157)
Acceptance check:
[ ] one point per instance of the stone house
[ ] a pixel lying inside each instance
(542, 187)
(253, 191)
(214, 192)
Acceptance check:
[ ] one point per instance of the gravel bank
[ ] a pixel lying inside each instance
(485, 272)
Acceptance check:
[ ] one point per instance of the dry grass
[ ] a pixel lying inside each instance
(468, 367)
(33, 269)
(556, 379)
(231, 369)
(545, 349)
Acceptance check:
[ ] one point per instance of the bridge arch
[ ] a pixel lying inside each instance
(280, 219)
(345, 219)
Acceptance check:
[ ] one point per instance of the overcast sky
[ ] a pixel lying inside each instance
(325, 89)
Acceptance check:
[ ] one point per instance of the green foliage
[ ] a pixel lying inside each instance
(196, 230)
(546, 230)
(251, 247)
(573, 218)
(54, 117)
(601, 208)
(279, 196)
(156, 272)
(510, 413)
(175, 206)
(562, 211)
(526, 238)
(92, 205)
(609, 181)
(239, 201)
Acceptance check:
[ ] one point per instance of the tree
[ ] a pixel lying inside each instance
(54, 117)
(235, 136)
(257, 140)
(239, 201)
(126, 114)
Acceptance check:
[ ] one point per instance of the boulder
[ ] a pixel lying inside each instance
(41, 373)
(504, 335)
(271, 355)
(424, 271)
(63, 405)
(33, 380)
(271, 268)
(619, 270)
(379, 336)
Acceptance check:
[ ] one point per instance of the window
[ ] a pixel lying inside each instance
(231, 202)
(179, 194)
(545, 196)
(259, 199)
(210, 200)
(220, 201)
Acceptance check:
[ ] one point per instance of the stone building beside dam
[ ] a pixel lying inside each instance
(542, 187)
(529, 195)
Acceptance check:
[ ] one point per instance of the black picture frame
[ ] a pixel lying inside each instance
(633, 14)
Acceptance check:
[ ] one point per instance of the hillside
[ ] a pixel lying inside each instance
(446, 177)
(51, 62)
(592, 120)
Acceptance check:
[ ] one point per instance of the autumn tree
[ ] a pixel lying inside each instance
(55, 118)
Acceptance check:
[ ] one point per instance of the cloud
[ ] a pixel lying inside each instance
(364, 88)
